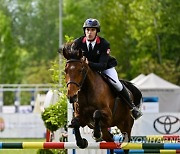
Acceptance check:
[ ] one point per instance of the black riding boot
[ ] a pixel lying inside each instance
(135, 112)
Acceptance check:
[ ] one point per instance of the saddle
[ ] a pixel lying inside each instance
(134, 93)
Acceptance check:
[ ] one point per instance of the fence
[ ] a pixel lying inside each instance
(34, 89)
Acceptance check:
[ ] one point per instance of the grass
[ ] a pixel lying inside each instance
(20, 151)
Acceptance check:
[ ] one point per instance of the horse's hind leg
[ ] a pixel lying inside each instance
(80, 142)
(126, 127)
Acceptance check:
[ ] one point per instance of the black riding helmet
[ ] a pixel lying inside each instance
(91, 23)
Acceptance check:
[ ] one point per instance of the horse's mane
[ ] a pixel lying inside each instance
(71, 51)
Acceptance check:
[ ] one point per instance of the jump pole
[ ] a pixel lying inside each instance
(91, 145)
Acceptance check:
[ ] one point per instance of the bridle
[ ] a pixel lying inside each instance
(84, 73)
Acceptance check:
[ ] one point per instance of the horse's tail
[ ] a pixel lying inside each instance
(135, 91)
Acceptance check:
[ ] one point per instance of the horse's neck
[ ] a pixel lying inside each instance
(92, 79)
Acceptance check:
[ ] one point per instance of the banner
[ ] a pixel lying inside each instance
(150, 105)
(157, 124)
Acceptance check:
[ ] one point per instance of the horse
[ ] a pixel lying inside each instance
(94, 102)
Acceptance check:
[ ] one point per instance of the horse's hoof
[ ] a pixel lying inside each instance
(83, 144)
(99, 139)
(97, 136)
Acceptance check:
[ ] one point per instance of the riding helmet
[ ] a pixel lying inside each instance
(91, 23)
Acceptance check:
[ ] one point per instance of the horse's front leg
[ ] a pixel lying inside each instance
(80, 142)
(97, 127)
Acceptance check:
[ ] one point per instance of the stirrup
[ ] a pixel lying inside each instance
(137, 113)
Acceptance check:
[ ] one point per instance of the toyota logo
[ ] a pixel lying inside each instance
(167, 124)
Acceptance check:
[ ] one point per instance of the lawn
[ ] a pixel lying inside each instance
(20, 151)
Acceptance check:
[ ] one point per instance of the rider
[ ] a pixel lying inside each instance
(97, 52)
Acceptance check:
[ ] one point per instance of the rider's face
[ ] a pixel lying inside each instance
(90, 33)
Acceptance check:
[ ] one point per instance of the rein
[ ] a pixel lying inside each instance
(84, 72)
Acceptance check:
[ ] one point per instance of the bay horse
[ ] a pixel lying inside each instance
(93, 100)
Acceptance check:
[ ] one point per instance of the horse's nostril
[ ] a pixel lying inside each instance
(73, 99)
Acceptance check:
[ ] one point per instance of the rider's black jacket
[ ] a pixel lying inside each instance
(99, 59)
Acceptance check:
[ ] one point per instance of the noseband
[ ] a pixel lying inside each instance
(84, 72)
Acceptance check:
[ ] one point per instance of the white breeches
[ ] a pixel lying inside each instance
(111, 72)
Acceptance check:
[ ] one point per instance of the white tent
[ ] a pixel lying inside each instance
(138, 78)
(154, 86)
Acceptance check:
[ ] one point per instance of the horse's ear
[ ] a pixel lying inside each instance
(74, 46)
(80, 53)
(65, 53)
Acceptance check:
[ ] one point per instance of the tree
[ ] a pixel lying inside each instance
(137, 31)
(55, 116)
(10, 56)
(156, 36)
(35, 31)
